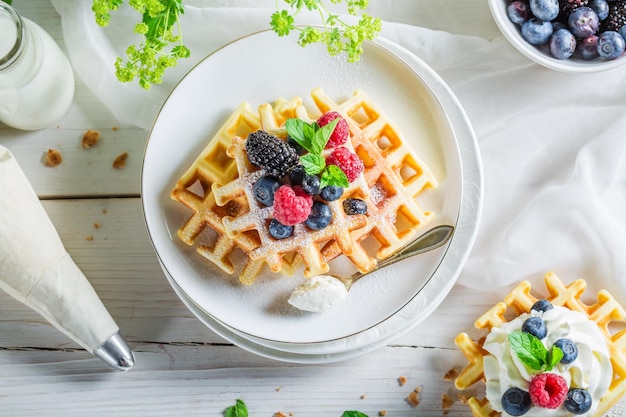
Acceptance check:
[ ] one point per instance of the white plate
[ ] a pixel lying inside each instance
(262, 67)
(437, 288)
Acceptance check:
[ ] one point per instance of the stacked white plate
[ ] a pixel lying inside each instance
(381, 307)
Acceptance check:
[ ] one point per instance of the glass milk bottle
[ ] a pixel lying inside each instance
(36, 79)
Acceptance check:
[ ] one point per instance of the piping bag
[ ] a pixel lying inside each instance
(36, 269)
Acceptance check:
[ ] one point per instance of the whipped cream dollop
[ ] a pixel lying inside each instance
(318, 294)
(591, 370)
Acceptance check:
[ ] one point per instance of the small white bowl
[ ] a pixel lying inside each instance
(541, 54)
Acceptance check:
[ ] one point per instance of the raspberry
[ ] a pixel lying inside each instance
(291, 205)
(548, 390)
(348, 162)
(341, 132)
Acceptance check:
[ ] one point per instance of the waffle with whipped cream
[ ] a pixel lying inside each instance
(218, 189)
(604, 312)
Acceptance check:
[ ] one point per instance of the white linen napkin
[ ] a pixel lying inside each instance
(35, 268)
(552, 144)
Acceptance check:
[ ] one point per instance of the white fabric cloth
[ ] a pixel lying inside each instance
(36, 269)
(552, 144)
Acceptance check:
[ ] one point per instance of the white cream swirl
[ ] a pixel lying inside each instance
(591, 370)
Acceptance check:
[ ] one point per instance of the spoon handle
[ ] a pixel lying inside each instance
(431, 239)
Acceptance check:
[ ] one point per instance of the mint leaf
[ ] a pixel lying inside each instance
(333, 175)
(529, 350)
(302, 132)
(321, 136)
(353, 413)
(238, 410)
(556, 354)
(313, 163)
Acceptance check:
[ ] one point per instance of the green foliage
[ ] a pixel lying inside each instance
(338, 36)
(238, 410)
(161, 47)
(353, 414)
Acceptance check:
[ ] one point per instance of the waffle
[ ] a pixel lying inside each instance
(218, 189)
(604, 312)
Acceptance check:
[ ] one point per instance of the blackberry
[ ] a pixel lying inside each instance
(270, 153)
(568, 6)
(617, 16)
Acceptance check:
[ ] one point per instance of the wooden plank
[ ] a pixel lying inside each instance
(203, 380)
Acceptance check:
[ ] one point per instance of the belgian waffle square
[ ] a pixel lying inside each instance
(603, 312)
(393, 173)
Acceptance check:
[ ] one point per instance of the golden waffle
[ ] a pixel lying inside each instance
(604, 312)
(226, 204)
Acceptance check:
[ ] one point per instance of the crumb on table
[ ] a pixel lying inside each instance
(120, 161)
(401, 380)
(446, 403)
(89, 238)
(413, 398)
(382, 413)
(53, 158)
(90, 138)
(464, 398)
(451, 375)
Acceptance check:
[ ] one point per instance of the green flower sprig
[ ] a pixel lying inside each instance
(148, 61)
(338, 35)
(163, 45)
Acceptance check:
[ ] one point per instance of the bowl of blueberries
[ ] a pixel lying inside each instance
(565, 35)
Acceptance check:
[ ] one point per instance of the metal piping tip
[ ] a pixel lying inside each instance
(116, 353)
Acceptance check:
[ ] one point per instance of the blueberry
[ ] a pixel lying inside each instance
(535, 326)
(299, 148)
(331, 192)
(518, 11)
(542, 305)
(622, 31)
(610, 45)
(588, 47)
(578, 401)
(279, 230)
(515, 401)
(320, 216)
(311, 184)
(297, 174)
(583, 22)
(557, 25)
(601, 7)
(545, 10)
(562, 44)
(354, 206)
(570, 351)
(536, 32)
(264, 189)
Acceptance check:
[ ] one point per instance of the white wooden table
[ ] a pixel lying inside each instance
(182, 368)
